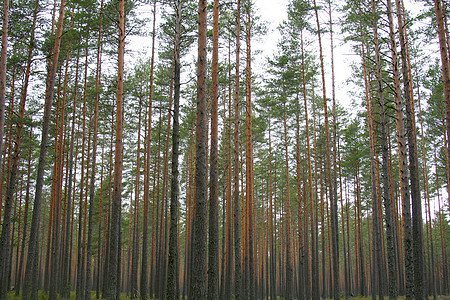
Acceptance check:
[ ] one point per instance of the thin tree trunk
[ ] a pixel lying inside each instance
(3, 59)
(87, 295)
(144, 263)
(57, 185)
(100, 220)
(236, 206)
(443, 242)
(289, 268)
(249, 161)
(333, 204)
(65, 276)
(443, 47)
(172, 275)
(229, 238)
(18, 283)
(82, 215)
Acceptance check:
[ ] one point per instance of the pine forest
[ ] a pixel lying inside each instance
(180, 149)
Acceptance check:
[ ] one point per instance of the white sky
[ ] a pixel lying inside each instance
(274, 12)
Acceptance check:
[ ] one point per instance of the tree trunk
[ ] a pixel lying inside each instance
(331, 188)
(33, 251)
(236, 206)
(417, 231)
(249, 163)
(198, 289)
(229, 222)
(438, 7)
(213, 242)
(385, 161)
(289, 268)
(87, 295)
(172, 278)
(3, 59)
(4, 244)
(18, 283)
(114, 239)
(144, 263)
(81, 214)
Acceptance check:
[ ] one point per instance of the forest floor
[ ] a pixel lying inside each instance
(44, 296)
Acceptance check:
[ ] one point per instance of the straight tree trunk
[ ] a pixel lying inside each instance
(360, 257)
(249, 162)
(213, 242)
(333, 204)
(417, 224)
(289, 268)
(4, 242)
(376, 279)
(18, 283)
(31, 274)
(385, 161)
(99, 233)
(87, 295)
(229, 251)
(273, 268)
(3, 59)
(403, 165)
(81, 213)
(57, 185)
(114, 238)
(314, 249)
(198, 289)
(443, 242)
(236, 206)
(445, 52)
(65, 276)
(172, 275)
(144, 263)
